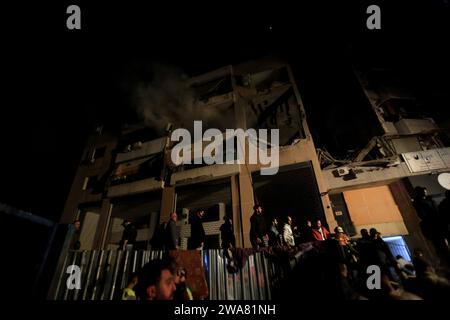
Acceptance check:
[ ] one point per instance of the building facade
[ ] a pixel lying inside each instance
(130, 175)
(374, 186)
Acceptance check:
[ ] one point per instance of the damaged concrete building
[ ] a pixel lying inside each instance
(373, 186)
(130, 176)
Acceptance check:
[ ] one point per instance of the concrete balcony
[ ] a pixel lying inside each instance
(204, 174)
(411, 126)
(371, 176)
(148, 148)
(135, 187)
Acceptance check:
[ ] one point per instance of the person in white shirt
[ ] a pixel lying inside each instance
(288, 236)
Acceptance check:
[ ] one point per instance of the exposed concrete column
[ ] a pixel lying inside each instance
(167, 203)
(103, 225)
(241, 185)
(247, 202)
(240, 106)
(236, 210)
(71, 207)
(222, 211)
(323, 188)
(70, 213)
(89, 230)
(304, 123)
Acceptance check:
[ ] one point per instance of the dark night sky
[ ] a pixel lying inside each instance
(58, 82)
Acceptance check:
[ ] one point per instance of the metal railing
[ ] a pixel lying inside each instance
(104, 273)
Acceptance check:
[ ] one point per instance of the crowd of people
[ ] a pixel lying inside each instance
(435, 225)
(166, 236)
(399, 278)
(283, 234)
(349, 260)
(346, 260)
(434, 220)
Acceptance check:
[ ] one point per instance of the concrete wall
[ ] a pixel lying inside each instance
(140, 186)
(406, 144)
(204, 174)
(375, 208)
(405, 126)
(88, 229)
(147, 148)
(77, 195)
(115, 234)
(167, 204)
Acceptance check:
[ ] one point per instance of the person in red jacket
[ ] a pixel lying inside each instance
(319, 232)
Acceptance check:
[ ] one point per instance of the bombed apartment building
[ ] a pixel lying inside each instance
(373, 186)
(134, 175)
(130, 175)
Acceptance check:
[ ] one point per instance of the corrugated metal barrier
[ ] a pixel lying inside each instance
(105, 273)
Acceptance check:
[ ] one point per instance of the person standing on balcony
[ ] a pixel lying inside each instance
(75, 243)
(274, 234)
(306, 232)
(227, 234)
(258, 230)
(198, 236)
(129, 235)
(159, 237)
(171, 238)
(288, 236)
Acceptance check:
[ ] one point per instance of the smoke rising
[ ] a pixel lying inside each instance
(167, 98)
